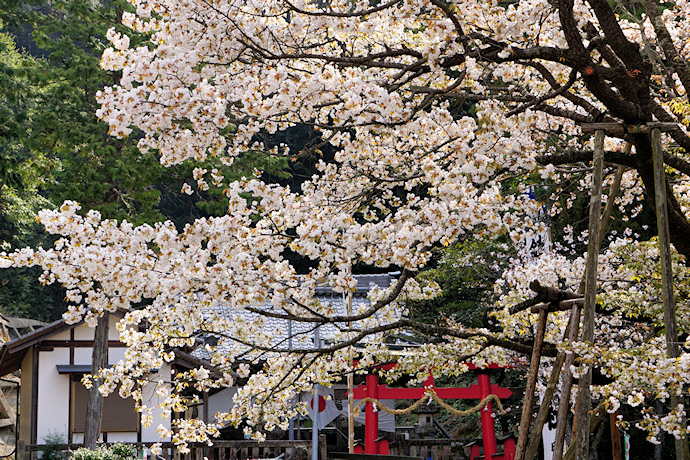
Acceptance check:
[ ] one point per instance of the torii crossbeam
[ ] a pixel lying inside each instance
(372, 389)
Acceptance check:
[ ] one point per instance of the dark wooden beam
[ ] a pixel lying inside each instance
(620, 129)
(34, 395)
(71, 349)
(78, 344)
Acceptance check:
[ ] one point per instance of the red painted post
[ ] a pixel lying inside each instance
(475, 452)
(488, 425)
(509, 449)
(371, 421)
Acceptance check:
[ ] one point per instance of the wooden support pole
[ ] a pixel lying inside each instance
(621, 129)
(616, 448)
(664, 240)
(584, 398)
(350, 383)
(526, 418)
(566, 387)
(613, 191)
(570, 335)
(535, 436)
(593, 419)
(567, 381)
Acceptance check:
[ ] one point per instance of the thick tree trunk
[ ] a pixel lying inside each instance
(99, 360)
(678, 224)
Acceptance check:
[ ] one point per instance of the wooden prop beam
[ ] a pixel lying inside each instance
(664, 240)
(616, 447)
(593, 419)
(610, 202)
(526, 418)
(567, 382)
(569, 335)
(566, 387)
(584, 398)
(535, 435)
(574, 302)
(620, 129)
(556, 300)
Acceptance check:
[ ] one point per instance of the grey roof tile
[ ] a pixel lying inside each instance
(275, 330)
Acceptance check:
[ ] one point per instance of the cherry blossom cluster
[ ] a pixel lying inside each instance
(437, 137)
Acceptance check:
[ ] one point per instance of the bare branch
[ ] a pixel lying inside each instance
(334, 14)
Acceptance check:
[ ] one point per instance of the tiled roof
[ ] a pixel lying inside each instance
(302, 333)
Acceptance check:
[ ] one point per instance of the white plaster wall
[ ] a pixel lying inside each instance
(64, 335)
(78, 438)
(115, 354)
(82, 356)
(122, 436)
(53, 394)
(221, 401)
(150, 399)
(54, 389)
(83, 332)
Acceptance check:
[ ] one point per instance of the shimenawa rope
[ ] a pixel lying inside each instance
(432, 394)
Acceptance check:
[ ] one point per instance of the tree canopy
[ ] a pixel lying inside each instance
(431, 108)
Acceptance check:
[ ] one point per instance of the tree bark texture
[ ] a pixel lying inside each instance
(584, 394)
(664, 240)
(526, 419)
(99, 360)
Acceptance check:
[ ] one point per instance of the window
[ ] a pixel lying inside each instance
(118, 414)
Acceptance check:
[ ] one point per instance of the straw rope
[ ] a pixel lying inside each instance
(433, 395)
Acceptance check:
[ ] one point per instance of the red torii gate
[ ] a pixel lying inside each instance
(372, 389)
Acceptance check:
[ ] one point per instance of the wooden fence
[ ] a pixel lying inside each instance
(435, 449)
(220, 450)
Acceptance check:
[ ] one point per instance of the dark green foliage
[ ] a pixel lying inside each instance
(21, 295)
(53, 447)
(96, 170)
(53, 147)
(466, 273)
(23, 174)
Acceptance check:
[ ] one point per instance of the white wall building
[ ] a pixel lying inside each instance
(52, 362)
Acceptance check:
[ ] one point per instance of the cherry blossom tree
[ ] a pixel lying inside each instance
(431, 105)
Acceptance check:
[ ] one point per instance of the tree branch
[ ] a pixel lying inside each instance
(577, 156)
